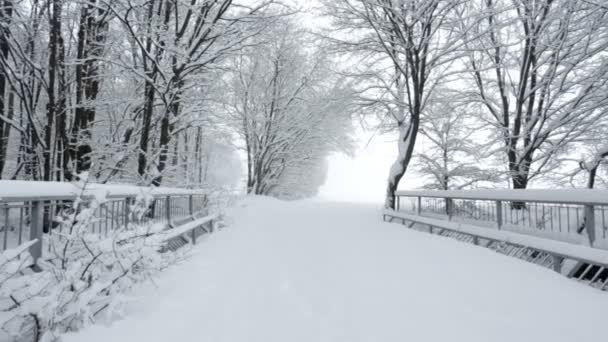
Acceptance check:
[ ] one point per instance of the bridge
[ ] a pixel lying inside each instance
(324, 271)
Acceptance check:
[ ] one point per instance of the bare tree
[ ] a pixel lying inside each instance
(409, 46)
(539, 69)
(286, 109)
(452, 155)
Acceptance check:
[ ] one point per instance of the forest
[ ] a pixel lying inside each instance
(196, 93)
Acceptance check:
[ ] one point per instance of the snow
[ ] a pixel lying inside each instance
(565, 249)
(186, 227)
(570, 196)
(15, 190)
(321, 271)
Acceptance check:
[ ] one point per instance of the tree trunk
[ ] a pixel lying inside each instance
(520, 181)
(51, 107)
(591, 179)
(6, 13)
(406, 142)
(91, 35)
(142, 161)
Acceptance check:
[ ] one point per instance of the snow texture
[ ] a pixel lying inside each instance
(314, 271)
(17, 190)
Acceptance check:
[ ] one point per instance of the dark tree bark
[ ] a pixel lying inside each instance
(92, 31)
(6, 115)
(51, 107)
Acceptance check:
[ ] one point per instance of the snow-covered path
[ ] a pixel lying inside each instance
(318, 271)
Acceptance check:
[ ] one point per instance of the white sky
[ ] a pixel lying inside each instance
(363, 177)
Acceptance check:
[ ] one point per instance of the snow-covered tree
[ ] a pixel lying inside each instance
(540, 71)
(404, 51)
(451, 155)
(287, 108)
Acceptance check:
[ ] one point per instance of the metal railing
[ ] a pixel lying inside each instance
(564, 215)
(25, 216)
(565, 230)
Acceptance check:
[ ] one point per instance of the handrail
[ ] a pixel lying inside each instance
(564, 196)
(28, 209)
(558, 213)
(559, 248)
(15, 191)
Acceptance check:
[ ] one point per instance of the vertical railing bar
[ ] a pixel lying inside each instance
(106, 218)
(578, 223)
(568, 219)
(5, 242)
(168, 209)
(126, 212)
(604, 221)
(20, 238)
(499, 221)
(36, 212)
(559, 218)
(590, 223)
(112, 215)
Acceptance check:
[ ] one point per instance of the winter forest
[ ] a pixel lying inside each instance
(197, 93)
(132, 128)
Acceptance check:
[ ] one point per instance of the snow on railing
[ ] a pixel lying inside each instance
(566, 215)
(29, 209)
(565, 230)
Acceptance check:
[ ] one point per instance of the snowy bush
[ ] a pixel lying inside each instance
(82, 277)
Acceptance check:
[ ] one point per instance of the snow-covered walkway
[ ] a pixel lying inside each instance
(318, 271)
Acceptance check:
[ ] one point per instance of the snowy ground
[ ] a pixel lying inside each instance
(320, 271)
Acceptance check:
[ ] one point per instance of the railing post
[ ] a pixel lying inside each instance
(590, 222)
(36, 230)
(193, 232)
(190, 205)
(448, 208)
(398, 202)
(168, 209)
(127, 211)
(499, 221)
(557, 263)
(419, 205)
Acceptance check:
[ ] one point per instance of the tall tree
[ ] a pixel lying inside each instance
(539, 71)
(408, 46)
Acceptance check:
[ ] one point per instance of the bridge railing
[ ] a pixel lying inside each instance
(565, 215)
(28, 210)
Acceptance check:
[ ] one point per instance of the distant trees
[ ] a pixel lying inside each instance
(450, 155)
(288, 110)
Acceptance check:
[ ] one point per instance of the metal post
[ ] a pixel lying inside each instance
(193, 231)
(499, 221)
(127, 211)
(6, 225)
(36, 229)
(557, 263)
(190, 205)
(590, 223)
(168, 209)
(448, 208)
(419, 205)
(398, 204)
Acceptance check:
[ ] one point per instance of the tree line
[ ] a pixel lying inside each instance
(518, 83)
(165, 92)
